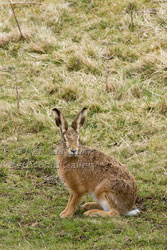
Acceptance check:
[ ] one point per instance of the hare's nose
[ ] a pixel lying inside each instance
(73, 151)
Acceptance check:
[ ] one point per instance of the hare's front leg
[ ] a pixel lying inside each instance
(71, 205)
(91, 205)
(69, 199)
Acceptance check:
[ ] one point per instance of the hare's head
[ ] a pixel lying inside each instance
(70, 136)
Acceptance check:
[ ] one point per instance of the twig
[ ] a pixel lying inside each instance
(11, 4)
(17, 92)
(131, 7)
(107, 69)
(131, 15)
(15, 3)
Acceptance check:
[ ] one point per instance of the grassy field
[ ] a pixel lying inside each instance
(61, 63)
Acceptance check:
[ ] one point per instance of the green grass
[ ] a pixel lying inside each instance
(61, 62)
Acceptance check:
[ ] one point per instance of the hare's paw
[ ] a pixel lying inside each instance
(101, 213)
(93, 213)
(91, 205)
(86, 206)
(63, 212)
(65, 215)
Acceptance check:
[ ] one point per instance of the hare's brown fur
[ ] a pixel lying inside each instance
(91, 171)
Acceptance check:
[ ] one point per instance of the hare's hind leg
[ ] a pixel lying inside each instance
(106, 204)
(101, 213)
(71, 205)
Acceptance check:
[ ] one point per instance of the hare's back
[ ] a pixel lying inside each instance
(104, 165)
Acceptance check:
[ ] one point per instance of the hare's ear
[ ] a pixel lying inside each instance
(60, 120)
(79, 120)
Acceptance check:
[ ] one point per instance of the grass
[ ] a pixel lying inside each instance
(61, 62)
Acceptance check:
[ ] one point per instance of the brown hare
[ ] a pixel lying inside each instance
(87, 170)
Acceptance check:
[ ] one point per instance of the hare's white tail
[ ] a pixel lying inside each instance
(133, 212)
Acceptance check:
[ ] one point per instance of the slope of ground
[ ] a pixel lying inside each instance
(62, 63)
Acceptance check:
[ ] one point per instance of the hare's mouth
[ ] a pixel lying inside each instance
(73, 152)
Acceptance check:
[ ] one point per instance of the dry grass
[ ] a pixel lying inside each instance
(61, 63)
